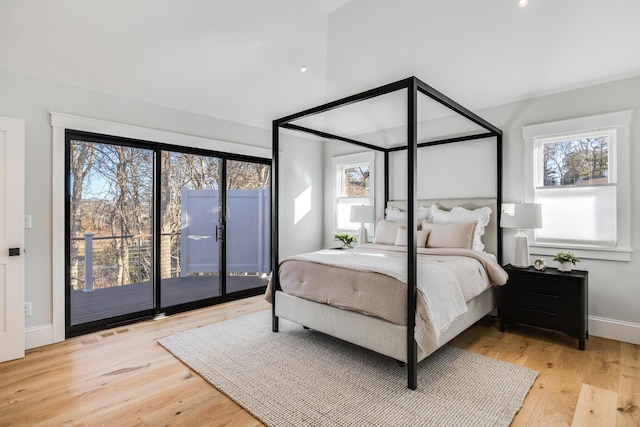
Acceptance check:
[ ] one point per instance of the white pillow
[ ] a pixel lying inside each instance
(394, 214)
(421, 238)
(423, 214)
(386, 232)
(460, 214)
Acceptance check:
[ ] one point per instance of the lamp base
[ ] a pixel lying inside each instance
(363, 236)
(521, 256)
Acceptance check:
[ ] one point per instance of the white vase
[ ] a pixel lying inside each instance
(565, 266)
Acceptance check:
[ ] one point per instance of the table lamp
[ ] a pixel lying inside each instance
(363, 214)
(521, 216)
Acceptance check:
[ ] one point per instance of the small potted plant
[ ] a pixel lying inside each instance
(565, 260)
(346, 238)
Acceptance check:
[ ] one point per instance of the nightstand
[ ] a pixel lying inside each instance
(549, 299)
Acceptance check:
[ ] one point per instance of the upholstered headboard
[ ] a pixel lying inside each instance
(490, 238)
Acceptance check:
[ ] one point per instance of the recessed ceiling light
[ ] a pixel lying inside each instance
(523, 3)
(303, 69)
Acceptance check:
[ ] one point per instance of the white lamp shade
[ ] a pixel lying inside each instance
(521, 215)
(363, 213)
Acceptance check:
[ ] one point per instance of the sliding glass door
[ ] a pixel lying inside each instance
(248, 220)
(191, 228)
(110, 247)
(157, 229)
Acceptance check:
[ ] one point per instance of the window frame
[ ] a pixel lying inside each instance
(349, 160)
(619, 123)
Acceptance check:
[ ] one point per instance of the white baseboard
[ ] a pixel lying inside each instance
(614, 329)
(38, 336)
(619, 330)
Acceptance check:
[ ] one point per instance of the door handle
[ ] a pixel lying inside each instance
(14, 251)
(219, 232)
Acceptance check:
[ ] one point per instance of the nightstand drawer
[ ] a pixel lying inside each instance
(545, 302)
(550, 285)
(557, 321)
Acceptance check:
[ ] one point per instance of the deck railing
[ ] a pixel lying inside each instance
(134, 269)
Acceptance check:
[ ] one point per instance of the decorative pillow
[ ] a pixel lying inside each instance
(421, 237)
(386, 232)
(394, 214)
(460, 214)
(453, 235)
(423, 214)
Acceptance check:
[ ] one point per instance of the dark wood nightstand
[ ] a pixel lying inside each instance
(549, 299)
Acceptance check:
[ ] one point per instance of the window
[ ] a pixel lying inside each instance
(579, 173)
(353, 186)
(577, 188)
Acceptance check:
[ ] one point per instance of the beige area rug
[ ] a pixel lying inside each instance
(299, 377)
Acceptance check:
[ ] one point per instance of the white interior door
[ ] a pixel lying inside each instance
(11, 239)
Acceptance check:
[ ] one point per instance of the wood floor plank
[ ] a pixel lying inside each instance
(124, 377)
(604, 363)
(474, 332)
(557, 404)
(628, 405)
(542, 355)
(89, 407)
(595, 408)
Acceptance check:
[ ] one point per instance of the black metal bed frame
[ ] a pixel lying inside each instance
(413, 86)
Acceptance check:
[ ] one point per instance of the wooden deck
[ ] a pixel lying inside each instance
(119, 300)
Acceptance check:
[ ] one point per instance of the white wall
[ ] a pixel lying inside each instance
(469, 168)
(34, 99)
(614, 294)
(301, 195)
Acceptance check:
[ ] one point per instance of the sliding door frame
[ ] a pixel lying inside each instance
(158, 148)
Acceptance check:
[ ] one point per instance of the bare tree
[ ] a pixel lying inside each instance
(247, 175)
(80, 163)
(575, 161)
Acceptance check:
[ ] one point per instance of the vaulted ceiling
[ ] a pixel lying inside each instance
(240, 60)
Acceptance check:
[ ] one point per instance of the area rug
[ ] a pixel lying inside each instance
(299, 377)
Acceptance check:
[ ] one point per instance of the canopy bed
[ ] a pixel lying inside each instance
(391, 333)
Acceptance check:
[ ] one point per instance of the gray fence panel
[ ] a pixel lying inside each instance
(248, 231)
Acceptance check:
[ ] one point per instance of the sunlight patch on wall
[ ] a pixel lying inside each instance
(302, 205)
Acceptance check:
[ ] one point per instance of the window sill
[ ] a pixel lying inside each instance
(605, 254)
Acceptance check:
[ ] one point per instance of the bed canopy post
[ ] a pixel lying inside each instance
(386, 178)
(499, 193)
(412, 251)
(275, 282)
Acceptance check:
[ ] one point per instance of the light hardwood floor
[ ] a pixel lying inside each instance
(122, 377)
